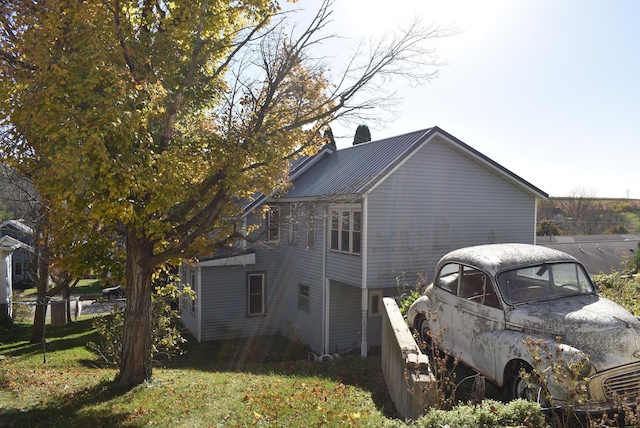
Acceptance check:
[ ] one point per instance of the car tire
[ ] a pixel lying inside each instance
(524, 387)
(422, 327)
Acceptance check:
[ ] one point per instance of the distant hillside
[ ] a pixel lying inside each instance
(584, 215)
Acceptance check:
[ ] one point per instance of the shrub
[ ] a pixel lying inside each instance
(8, 329)
(407, 295)
(166, 332)
(488, 414)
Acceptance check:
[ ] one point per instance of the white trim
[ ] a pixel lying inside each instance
(535, 221)
(198, 305)
(455, 145)
(497, 168)
(325, 285)
(365, 294)
(242, 260)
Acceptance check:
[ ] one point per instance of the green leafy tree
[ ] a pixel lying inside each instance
(141, 122)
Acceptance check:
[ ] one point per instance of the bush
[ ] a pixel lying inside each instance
(8, 329)
(409, 294)
(488, 414)
(167, 334)
(621, 288)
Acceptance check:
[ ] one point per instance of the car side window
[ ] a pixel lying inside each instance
(477, 287)
(448, 278)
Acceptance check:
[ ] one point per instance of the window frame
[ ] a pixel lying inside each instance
(273, 231)
(311, 226)
(18, 268)
(375, 295)
(192, 302)
(343, 231)
(304, 297)
(292, 225)
(263, 294)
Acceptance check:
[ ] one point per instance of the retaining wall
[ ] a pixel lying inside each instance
(406, 370)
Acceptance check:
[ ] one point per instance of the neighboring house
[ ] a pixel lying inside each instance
(598, 253)
(8, 247)
(352, 222)
(21, 276)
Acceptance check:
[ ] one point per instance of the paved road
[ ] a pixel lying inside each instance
(87, 307)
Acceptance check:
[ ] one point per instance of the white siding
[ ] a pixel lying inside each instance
(345, 317)
(440, 200)
(303, 265)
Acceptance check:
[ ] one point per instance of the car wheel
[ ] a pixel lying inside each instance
(422, 327)
(525, 387)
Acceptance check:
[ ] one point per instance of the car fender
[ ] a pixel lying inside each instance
(420, 307)
(510, 346)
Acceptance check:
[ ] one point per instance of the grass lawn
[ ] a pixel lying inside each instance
(84, 286)
(261, 382)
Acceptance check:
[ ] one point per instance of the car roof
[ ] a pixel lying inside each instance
(494, 258)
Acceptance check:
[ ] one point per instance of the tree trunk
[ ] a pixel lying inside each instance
(66, 295)
(37, 333)
(135, 363)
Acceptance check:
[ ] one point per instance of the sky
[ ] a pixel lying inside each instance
(549, 89)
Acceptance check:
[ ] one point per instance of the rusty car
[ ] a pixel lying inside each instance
(529, 319)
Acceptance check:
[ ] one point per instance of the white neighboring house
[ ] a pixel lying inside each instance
(8, 245)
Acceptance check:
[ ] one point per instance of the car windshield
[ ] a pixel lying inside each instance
(544, 281)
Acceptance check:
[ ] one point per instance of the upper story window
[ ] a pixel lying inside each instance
(192, 302)
(273, 224)
(292, 224)
(311, 226)
(346, 230)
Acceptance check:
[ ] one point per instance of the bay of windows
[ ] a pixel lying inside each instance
(346, 230)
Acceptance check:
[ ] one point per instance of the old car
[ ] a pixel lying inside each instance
(509, 310)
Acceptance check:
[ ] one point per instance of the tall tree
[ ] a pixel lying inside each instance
(148, 119)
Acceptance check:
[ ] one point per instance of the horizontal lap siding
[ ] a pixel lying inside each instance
(345, 317)
(223, 296)
(302, 265)
(439, 200)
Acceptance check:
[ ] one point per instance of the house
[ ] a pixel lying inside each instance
(20, 273)
(598, 253)
(8, 247)
(351, 223)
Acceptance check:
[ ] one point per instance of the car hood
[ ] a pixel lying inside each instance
(602, 329)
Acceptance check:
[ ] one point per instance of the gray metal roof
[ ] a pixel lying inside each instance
(354, 170)
(598, 253)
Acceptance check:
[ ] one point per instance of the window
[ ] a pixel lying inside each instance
(476, 286)
(375, 303)
(311, 227)
(448, 278)
(273, 224)
(192, 302)
(346, 231)
(255, 294)
(17, 268)
(292, 224)
(303, 297)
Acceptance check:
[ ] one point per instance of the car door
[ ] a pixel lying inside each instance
(477, 317)
(445, 291)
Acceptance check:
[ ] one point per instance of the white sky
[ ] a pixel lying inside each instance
(550, 89)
